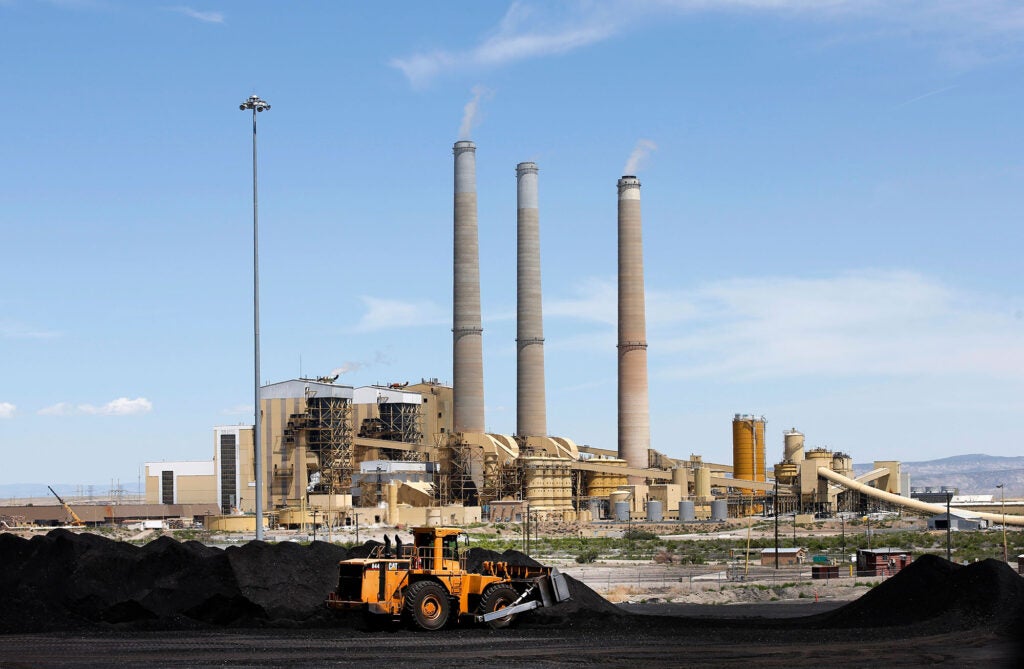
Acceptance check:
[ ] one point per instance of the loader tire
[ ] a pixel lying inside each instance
(427, 605)
(497, 597)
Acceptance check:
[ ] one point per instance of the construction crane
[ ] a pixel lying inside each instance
(75, 520)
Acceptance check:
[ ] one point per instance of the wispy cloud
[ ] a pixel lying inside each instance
(866, 323)
(592, 300)
(929, 94)
(7, 410)
(122, 406)
(238, 410)
(856, 324)
(12, 330)
(205, 17)
(524, 32)
(965, 32)
(384, 314)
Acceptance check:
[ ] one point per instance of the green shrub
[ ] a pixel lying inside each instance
(638, 535)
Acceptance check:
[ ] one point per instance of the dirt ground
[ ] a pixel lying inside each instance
(643, 641)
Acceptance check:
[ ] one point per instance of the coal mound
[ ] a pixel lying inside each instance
(941, 595)
(68, 581)
(585, 606)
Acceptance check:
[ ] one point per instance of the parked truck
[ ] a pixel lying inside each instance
(427, 585)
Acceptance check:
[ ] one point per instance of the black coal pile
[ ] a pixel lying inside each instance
(941, 595)
(584, 607)
(65, 581)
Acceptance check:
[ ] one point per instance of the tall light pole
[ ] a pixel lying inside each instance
(775, 502)
(256, 105)
(949, 527)
(1002, 510)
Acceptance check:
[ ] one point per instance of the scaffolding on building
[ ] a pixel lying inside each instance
(329, 436)
(464, 488)
(501, 481)
(396, 421)
(324, 430)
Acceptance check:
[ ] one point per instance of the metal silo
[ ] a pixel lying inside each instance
(748, 448)
(793, 448)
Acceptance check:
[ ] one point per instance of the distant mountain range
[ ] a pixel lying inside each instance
(974, 474)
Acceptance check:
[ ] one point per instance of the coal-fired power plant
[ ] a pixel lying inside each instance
(467, 331)
(419, 454)
(531, 416)
(634, 420)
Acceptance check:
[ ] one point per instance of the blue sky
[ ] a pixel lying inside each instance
(831, 194)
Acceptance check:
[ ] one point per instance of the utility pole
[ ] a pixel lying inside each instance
(1002, 509)
(949, 529)
(776, 505)
(842, 519)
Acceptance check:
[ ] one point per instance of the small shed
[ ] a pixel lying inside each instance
(882, 561)
(787, 556)
(959, 520)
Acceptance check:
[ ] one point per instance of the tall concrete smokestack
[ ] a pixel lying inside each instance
(531, 417)
(634, 417)
(467, 331)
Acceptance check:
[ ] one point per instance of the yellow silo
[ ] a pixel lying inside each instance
(748, 448)
(602, 484)
(702, 483)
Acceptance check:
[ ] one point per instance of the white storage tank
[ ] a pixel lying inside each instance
(622, 511)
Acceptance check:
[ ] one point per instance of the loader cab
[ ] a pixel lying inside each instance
(437, 549)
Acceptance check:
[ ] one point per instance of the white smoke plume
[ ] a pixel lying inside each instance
(640, 151)
(471, 112)
(346, 367)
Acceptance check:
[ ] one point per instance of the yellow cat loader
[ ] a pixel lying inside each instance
(427, 584)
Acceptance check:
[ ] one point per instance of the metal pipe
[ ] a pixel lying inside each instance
(906, 502)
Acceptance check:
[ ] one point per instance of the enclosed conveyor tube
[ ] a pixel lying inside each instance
(909, 503)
